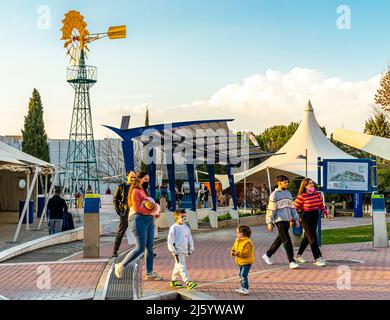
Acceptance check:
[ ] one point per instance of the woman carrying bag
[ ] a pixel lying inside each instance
(141, 225)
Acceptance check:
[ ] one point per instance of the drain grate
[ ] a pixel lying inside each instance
(364, 250)
(345, 261)
(127, 288)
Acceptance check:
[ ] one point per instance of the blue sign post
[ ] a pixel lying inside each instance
(91, 226)
(347, 176)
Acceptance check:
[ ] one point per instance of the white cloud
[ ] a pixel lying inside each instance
(264, 100)
(258, 102)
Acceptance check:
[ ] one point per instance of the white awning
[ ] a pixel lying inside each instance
(308, 136)
(11, 158)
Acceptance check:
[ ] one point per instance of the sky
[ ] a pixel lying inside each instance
(255, 61)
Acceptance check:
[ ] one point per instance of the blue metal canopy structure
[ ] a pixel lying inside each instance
(170, 135)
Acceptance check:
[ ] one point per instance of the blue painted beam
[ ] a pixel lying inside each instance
(191, 181)
(211, 171)
(232, 187)
(172, 185)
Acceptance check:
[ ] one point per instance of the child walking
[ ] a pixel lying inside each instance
(243, 251)
(180, 244)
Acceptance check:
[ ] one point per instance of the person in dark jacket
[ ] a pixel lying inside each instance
(56, 208)
(122, 209)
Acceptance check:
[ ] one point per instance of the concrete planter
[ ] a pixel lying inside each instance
(192, 219)
(257, 220)
(227, 224)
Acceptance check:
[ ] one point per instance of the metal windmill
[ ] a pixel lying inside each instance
(81, 162)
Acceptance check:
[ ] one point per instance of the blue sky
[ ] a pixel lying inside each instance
(178, 52)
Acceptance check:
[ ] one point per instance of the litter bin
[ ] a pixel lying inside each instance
(31, 212)
(41, 205)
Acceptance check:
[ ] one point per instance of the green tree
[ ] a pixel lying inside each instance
(147, 120)
(274, 138)
(144, 166)
(378, 125)
(34, 134)
(382, 97)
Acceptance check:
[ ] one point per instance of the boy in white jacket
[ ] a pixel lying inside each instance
(180, 244)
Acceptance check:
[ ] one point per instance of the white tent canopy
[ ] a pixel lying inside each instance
(310, 137)
(375, 145)
(12, 158)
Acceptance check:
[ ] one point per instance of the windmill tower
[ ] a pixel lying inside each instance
(81, 162)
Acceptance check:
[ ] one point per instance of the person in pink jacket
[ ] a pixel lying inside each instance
(141, 225)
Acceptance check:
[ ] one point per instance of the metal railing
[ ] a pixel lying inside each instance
(130, 287)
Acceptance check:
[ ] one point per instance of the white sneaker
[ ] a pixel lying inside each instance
(267, 259)
(300, 259)
(238, 290)
(320, 262)
(294, 265)
(119, 270)
(243, 291)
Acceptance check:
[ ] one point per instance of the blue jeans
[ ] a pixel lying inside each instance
(55, 226)
(142, 229)
(206, 204)
(244, 271)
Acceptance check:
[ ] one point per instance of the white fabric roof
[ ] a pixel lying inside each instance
(375, 145)
(308, 136)
(17, 158)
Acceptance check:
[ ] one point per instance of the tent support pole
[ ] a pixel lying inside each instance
(36, 197)
(26, 204)
(28, 200)
(55, 178)
(269, 180)
(46, 193)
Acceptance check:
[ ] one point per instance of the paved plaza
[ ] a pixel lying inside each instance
(212, 267)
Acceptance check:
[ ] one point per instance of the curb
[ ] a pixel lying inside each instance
(51, 240)
(63, 237)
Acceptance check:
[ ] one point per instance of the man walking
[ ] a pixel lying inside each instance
(122, 209)
(281, 213)
(56, 208)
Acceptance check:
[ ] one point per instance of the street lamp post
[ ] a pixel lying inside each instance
(304, 157)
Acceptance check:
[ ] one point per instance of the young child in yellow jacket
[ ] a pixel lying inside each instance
(244, 254)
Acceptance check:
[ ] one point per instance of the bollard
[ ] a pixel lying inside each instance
(91, 226)
(333, 209)
(379, 225)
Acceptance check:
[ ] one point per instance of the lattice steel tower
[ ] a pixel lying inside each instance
(81, 162)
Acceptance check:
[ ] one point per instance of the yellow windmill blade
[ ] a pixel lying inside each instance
(117, 32)
(74, 33)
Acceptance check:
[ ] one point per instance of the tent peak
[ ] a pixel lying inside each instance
(309, 106)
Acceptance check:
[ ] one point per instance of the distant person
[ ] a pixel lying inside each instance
(204, 196)
(56, 208)
(309, 201)
(122, 209)
(281, 212)
(180, 244)
(243, 251)
(108, 191)
(80, 197)
(89, 190)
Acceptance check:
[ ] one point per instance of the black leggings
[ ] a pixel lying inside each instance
(310, 223)
(283, 238)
